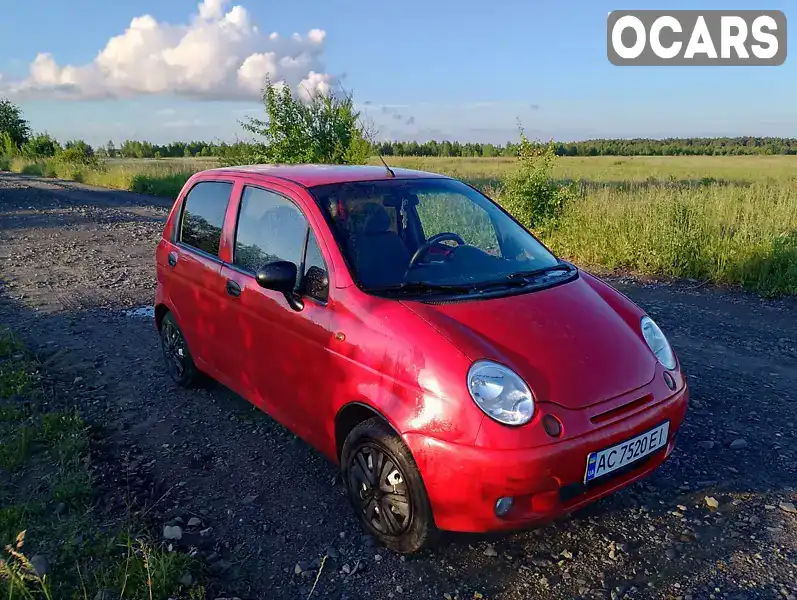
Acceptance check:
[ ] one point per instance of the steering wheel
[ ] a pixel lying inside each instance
(443, 236)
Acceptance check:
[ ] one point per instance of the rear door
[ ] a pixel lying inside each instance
(281, 358)
(196, 290)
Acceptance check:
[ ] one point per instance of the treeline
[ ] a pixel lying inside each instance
(136, 149)
(726, 146)
(43, 145)
(599, 147)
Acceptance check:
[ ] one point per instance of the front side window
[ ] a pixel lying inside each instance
(438, 233)
(203, 215)
(272, 228)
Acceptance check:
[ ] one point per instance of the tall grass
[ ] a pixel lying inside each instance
(720, 233)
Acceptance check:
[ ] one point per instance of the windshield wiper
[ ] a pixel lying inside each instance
(422, 286)
(535, 272)
(522, 278)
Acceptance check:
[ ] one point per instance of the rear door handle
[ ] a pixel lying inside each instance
(172, 259)
(233, 289)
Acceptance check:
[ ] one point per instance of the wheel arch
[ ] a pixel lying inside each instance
(161, 310)
(352, 414)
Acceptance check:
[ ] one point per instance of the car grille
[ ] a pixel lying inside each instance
(619, 411)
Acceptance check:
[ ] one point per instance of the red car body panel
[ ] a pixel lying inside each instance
(577, 345)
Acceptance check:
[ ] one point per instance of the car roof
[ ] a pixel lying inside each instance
(310, 175)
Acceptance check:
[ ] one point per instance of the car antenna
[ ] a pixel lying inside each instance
(390, 172)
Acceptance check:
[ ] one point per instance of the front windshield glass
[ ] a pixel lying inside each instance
(436, 232)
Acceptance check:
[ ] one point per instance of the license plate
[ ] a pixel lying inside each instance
(605, 461)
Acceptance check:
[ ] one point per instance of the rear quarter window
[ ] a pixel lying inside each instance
(202, 216)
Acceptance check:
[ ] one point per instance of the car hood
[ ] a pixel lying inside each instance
(575, 344)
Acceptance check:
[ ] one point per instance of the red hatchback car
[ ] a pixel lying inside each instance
(462, 376)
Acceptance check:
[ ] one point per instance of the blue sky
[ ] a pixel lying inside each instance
(462, 70)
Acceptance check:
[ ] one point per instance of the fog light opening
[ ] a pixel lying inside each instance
(552, 425)
(668, 379)
(503, 506)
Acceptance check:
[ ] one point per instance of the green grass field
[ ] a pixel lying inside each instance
(728, 220)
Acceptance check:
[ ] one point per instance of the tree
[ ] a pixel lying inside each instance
(324, 128)
(12, 123)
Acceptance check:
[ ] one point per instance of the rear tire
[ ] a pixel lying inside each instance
(385, 488)
(179, 364)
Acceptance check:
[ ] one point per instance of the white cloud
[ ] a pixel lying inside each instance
(219, 55)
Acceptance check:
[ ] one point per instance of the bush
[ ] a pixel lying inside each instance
(33, 168)
(5, 163)
(530, 193)
(40, 146)
(77, 155)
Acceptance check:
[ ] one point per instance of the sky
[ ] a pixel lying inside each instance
(418, 69)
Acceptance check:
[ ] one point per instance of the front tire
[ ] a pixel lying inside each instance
(385, 488)
(179, 364)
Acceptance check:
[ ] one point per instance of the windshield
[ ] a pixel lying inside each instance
(428, 232)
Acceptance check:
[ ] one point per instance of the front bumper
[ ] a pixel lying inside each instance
(464, 482)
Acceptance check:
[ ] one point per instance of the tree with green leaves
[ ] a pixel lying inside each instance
(324, 128)
(12, 123)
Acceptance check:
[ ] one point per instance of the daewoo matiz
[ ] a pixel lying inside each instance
(462, 376)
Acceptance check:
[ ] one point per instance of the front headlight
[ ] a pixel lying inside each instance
(500, 393)
(658, 343)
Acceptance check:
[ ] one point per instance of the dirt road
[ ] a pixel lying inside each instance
(73, 258)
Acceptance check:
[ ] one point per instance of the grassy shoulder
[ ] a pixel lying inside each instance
(160, 178)
(53, 543)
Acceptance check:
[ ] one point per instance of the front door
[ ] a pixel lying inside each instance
(282, 351)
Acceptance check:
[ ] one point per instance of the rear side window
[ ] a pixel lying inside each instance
(203, 215)
(270, 228)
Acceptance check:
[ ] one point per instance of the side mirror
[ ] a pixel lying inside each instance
(280, 276)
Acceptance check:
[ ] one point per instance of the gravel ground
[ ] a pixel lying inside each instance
(716, 521)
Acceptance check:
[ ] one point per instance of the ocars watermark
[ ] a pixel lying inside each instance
(696, 37)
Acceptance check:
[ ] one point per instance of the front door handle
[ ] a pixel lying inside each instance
(172, 259)
(233, 289)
